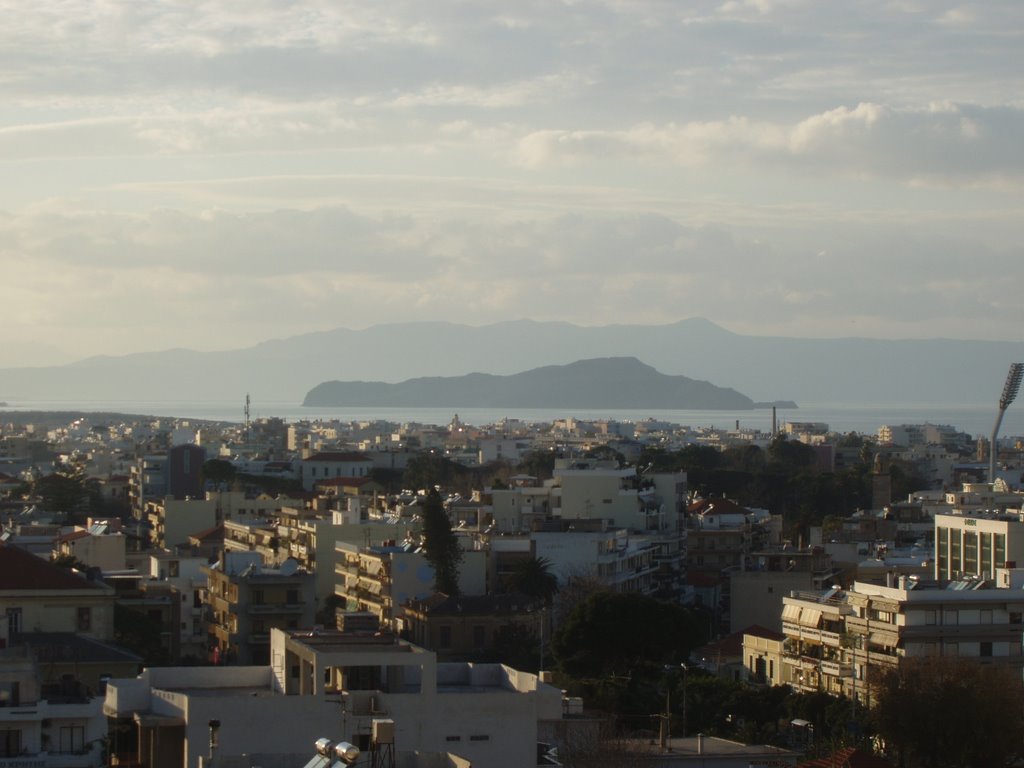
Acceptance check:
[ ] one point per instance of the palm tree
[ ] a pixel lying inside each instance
(533, 577)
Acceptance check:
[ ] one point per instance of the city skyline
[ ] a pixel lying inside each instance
(211, 177)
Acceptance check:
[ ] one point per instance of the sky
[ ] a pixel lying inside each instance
(211, 175)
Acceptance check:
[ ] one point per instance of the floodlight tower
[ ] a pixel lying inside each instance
(1010, 389)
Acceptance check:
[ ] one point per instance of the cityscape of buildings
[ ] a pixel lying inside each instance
(181, 594)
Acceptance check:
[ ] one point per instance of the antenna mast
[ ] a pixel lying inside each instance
(246, 419)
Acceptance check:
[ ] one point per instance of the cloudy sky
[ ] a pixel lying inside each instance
(210, 175)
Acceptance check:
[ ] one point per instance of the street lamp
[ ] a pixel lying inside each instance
(686, 675)
(1010, 390)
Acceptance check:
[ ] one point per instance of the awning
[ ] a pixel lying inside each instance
(791, 613)
(811, 618)
(147, 720)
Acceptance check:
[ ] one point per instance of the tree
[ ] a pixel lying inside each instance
(218, 471)
(440, 544)
(539, 464)
(611, 633)
(533, 577)
(606, 453)
(946, 711)
(61, 491)
(327, 613)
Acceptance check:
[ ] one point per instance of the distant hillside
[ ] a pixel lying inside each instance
(613, 382)
(850, 371)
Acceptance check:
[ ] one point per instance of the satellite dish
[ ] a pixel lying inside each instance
(289, 567)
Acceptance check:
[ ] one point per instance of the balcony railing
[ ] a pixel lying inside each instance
(263, 608)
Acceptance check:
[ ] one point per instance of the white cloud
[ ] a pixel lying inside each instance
(630, 160)
(943, 142)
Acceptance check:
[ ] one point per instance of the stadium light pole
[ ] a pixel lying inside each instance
(1010, 390)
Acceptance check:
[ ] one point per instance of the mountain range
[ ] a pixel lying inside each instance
(603, 383)
(848, 371)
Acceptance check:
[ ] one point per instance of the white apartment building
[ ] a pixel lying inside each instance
(328, 464)
(338, 684)
(977, 544)
(834, 638)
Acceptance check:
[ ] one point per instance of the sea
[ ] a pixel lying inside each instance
(976, 420)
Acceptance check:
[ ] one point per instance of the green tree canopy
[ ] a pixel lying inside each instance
(533, 577)
(440, 544)
(218, 471)
(612, 633)
(944, 711)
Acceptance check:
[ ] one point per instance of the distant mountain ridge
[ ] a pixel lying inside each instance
(613, 382)
(847, 371)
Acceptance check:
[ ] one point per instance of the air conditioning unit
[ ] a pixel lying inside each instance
(383, 731)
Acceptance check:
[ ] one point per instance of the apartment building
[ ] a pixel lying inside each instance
(338, 684)
(247, 600)
(333, 464)
(381, 579)
(623, 497)
(46, 729)
(176, 473)
(977, 544)
(172, 520)
(834, 638)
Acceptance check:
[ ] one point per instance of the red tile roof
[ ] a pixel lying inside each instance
(21, 570)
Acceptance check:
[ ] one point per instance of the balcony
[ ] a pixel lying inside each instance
(364, 704)
(823, 636)
(836, 668)
(264, 608)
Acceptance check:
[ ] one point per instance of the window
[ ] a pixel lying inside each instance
(453, 738)
(950, 617)
(942, 552)
(955, 552)
(929, 618)
(293, 596)
(84, 619)
(479, 637)
(13, 622)
(10, 742)
(985, 649)
(257, 597)
(970, 552)
(986, 616)
(10, 694)
(1000, 550)
(480, 737)
(72, 739)
(445, 639)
